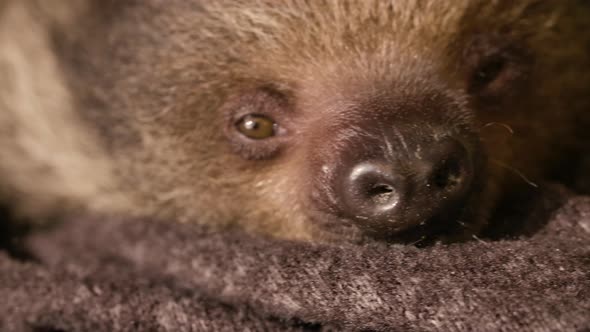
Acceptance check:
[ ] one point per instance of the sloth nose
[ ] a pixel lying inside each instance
(372, 190)
(386, 197)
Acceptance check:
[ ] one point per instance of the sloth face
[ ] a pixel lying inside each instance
(338, 120)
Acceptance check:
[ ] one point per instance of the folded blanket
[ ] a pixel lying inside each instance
(116, 274)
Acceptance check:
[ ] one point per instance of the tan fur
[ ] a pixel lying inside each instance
(47, 157)
(147, 81)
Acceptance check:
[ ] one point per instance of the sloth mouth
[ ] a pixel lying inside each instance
(433, 230)
(458, 227)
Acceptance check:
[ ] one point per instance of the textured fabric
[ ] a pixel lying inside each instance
(112, 274)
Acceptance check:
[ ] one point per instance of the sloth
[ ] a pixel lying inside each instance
(306, 120)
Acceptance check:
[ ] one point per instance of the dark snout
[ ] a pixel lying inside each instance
(404, 187)
(402, 170)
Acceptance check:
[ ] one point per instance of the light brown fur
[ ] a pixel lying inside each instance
(47, 154)
(115, 105)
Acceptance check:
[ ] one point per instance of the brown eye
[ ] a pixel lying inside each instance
(488, 73)
(256, 126)
(257, 123)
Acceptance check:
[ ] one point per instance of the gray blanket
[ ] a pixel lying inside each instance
(116, 274)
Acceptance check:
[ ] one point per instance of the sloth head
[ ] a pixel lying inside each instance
(329, 120)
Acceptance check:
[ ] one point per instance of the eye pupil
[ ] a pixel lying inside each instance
(491, 70)
(251, 124)
(256, 126)
(488, 73)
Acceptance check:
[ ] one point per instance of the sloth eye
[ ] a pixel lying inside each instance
(487, 73)
(252, 123)
(256, 126)
(497, 67)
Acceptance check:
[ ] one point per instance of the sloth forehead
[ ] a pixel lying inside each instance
(296, 33)
(375, 36)
(332, 25)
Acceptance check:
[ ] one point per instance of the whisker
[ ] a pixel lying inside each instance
(462, 224)
(503, 125)
(422, 238)
(517, 172)
(478, 239)
(418, 241)
(402, 140)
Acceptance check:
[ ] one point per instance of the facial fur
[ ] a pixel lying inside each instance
(163, 84)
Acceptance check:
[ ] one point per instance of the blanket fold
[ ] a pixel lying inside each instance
(115, 274)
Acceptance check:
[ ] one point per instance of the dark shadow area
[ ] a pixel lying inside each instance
(519, 214)
(12, 234)
(47, 329)
(524, 213)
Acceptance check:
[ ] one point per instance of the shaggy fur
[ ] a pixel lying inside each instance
(48, 155)
(148, 81)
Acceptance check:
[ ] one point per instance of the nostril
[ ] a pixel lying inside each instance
(447, 175)
(381, 194)
(372, 188)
